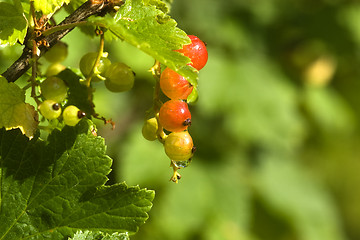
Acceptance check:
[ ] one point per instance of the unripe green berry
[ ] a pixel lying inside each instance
(149, 129)
(57, 53)
(54, 88)
(87, 62)
(119, 77)
(50, 109)
(72, 115)
(54, 69)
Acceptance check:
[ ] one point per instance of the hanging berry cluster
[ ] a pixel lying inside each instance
(174, 116)
(95, 67)
(166, 121)
(54, 90)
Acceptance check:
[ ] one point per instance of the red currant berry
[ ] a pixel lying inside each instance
(179, 146)
(196, 51)
(173, 85)
(174, 116)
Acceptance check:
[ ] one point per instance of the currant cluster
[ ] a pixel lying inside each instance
(118, 77)
(174, 115)
(54, 90)
(168, 120)
(95, 67)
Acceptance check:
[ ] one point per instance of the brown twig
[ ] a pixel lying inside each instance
(89, 8)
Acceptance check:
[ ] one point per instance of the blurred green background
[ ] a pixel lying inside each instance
(276, 125)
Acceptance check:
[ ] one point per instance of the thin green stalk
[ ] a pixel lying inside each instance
(63, 27)
(100, 53)
(33, 73)
(156, 71)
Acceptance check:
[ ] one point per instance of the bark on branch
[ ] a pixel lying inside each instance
(89, 8)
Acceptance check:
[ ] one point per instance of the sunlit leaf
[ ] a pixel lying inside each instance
(14, 112)
(49, 6)
(53, 189)
(13, 24)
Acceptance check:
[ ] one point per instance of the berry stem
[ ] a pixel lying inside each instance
(156, 71)
(50, 127)
(63, 27)
(176, 176)
(106, 121)
(100, 53)
(22, 64)
(33, 73)
(160, 132)
(157, 103)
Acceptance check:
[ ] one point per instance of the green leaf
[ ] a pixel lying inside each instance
(78, 94)
(149, 29)
(13, 24)
(49, 6)
(88, 235)
(14, 112)
(50, 190)
(158, 4)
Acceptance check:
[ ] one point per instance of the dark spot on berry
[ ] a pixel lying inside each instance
(193, 149)
(56, 106)
(187, 122)
(81, 114)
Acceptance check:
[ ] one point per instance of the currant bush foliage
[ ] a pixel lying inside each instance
(145, 26)
(53, 185)
(13, 24)
(89, 235)
(14, 112)
(52, 190)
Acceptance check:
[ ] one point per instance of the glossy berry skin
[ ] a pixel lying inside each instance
(57, 53)
(72, 115)
(54, 69)
(149, 129)
(179, 146)
(174, 116)
(54, 88)
(196, 51)
(173, 85)
(87, 62)
(119, 77)
(50, 109)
